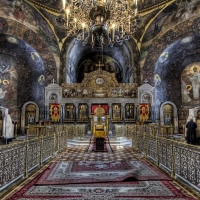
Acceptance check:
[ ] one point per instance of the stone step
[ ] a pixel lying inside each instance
(113, 141)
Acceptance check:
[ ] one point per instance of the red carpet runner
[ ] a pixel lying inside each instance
(92, 146)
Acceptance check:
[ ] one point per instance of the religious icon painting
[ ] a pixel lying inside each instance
(144, 111)
(116, 112)
(82, 112)
(69, 112)
(129, 112)
(30, 114)
(55, 112)
(133, 93)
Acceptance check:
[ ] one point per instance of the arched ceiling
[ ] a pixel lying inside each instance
(20, 67)
(170, 65)
(77, 54)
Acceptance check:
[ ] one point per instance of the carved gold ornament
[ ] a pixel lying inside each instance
(194, 67)
(188, 87)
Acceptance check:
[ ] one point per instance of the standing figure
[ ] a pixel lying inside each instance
(191, 131)
(168, 120)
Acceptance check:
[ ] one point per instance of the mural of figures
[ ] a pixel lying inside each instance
(8, 80)
(82, 112)
(190, 83)
(30, 114)
(31, 119)
(169, 17)
(18, 12)
(69, 112)
(167, 119)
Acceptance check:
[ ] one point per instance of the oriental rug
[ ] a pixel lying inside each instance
(92, 146)
(138, 190)
(99, 171)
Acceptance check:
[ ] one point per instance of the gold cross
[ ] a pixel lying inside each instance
(99, 65)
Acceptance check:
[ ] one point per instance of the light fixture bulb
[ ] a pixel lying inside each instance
(67, 11)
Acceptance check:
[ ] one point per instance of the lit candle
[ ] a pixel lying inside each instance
(113, 32)
(67, 12)
(83, 36)
(135, 11)
(64, 4)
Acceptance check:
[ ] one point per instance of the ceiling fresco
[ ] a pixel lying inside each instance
(29, 17)
(20, 67)
(77, 54)
(167, 19)
(170, 66)
(166, 42)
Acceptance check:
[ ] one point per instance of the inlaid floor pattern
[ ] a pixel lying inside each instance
(79, 153)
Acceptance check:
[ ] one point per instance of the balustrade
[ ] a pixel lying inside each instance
(19, 158)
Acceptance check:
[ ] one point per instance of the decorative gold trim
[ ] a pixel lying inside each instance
(188, 87)
(194, 67)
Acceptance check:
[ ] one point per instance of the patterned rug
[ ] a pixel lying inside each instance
(99, 171)
(92, 146)
(138, 190)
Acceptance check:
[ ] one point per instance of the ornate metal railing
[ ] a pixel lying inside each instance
(19, 158)
(122, 130)
(180, 160)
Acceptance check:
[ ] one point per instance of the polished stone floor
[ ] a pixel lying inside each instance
(79, 153)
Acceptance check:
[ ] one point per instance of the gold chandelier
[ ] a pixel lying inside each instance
(100, 22)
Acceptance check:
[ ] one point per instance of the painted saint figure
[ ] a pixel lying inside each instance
(168, 120)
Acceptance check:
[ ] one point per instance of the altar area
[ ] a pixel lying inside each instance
(99, 102)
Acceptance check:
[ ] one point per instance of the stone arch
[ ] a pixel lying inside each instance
(132, 61)
(23, 114)
(175, 115)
